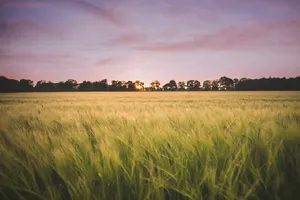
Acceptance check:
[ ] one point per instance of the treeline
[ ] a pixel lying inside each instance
(222, 84)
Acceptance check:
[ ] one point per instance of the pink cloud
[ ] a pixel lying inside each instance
(127, 62)
(248, 36)
(116, 65)
(106, 61)
(130, 39)
(21, 29)
(31, 32)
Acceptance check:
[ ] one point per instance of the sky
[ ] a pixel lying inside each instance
(149, 39)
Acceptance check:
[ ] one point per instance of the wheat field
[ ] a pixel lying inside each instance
(160, 145)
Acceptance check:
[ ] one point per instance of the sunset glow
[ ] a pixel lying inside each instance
(144, 40)
(138, 87)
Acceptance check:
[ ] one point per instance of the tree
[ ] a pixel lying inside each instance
(44, 86)
(8, 85)
(155, 85)
(130, 86)
(235, 82)
(172, 85)
(215, 85)
(25, 85)
(121, 85)
(207, 85)
(71, 84)
(181, 85)
(114, 85)
(193, 85)
(244, 84)
(100, 85)
(86, 86)
(139, 85)
(197, 85)
(226, 83)
(166, 87)
(243, 79)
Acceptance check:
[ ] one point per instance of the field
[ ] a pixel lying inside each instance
(160, 145)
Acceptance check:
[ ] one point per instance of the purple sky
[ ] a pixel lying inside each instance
(145, 40)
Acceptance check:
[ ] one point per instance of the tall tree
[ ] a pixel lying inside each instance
(155, 85)
(69, 85)
(207, 85)
(86, 86)
(166, 87)
(114, 85)
(8, 85)
(172, 85)
(181, 85)
(100, 85)
(121, 85)
(130, 86)
(235, 82)
(215, 85)
(25, 85)
(193, 85)
(44, 86)
(226, 83)
(139, 85)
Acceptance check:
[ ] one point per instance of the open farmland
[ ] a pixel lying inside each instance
(160, 145)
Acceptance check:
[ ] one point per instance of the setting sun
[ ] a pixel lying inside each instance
(138, 87)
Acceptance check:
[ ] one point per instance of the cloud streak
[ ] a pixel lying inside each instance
(12, 29)
(111, 13)
(254, 35)
(129, 39)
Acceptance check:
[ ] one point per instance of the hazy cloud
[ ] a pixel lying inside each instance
(106, 61)
(129, 39)
(111, 13)
(252, 35)
(11, 29)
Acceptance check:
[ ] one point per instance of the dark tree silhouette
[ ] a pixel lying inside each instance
(113, 86)
(130, 86)
(70, 84)
(86, 86)
(25, 85)
(121, 85)
(224, 83)
(193, 85)
(166, 87)
(100, 85)
(215, 85)
(264, 84)
(181, 85)
(8, 85)
(44, 86)
(172, 85)
(207, 85)
(235, 82)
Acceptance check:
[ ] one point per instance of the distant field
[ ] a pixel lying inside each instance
(160, 145)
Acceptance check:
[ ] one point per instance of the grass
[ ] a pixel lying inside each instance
(181, 145)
